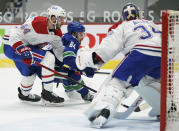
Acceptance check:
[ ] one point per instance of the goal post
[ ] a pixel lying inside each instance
(169, 116)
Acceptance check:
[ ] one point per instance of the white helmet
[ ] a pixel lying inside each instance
(56, 11)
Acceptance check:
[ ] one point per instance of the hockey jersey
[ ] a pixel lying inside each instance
(141, 35)
(71, 47)
(114, 26)
(35, 32)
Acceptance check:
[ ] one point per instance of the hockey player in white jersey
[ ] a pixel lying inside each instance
(142, 39)
(146, 85)
(24, 46)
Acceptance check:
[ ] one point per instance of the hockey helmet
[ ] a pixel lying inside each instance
(75, 27)
(130, 12)
(56, 11)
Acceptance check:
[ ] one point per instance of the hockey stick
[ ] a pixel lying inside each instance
(142, 107)
(68, 78)
(128, 112)
(138, 108)
(103, 73)
(96, 72)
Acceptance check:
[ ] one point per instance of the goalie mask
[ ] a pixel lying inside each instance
(58, 12)
(130, 12)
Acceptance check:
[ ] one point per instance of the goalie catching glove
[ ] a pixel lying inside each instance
(87, 58)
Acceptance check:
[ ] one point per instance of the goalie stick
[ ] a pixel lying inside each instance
(128, 112)
(102, 73)
(141, 107)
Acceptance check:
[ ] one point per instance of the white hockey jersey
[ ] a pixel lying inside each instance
(35, 32)
(141, 35)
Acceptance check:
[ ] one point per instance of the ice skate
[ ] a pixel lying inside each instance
(73, 95)
(87, 97)
(51, 98)
(30, 97)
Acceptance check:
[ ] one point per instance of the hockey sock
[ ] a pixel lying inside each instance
(48, 82)
(25, 90)
(48, 76)
(73, 87)
(83, 91)
(26, 84)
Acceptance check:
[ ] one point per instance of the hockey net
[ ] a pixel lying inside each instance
(169, 118)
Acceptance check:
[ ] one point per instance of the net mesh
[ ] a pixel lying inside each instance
(172, 117)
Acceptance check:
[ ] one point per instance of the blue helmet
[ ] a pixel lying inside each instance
(130, 12)
(75, 27)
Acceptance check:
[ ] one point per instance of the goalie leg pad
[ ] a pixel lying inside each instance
(111, 97)
(149, 90)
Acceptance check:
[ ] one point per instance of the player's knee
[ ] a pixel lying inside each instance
(48, 59)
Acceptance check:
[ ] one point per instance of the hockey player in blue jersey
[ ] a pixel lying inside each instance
(141, 40)
(72, 41)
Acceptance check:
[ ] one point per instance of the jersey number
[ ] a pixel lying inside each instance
(145, 33)
(72, 45)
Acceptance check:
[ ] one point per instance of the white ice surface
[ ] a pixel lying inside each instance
(20, 116)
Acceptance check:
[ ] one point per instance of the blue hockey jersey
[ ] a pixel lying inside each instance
(71, 47)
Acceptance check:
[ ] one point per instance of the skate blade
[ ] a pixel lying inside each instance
(87, 102)
(30, 103)
(50, 104)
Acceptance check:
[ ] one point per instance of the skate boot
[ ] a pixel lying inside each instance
(100, 119)
(87, 97)
(50, 97)
(30, 97)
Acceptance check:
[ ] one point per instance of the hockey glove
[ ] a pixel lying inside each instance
(29, 62)
(89, 72)
(26, 54)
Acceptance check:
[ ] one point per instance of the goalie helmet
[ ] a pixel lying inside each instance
(75, 27)
(56, 11)
(130, 12)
